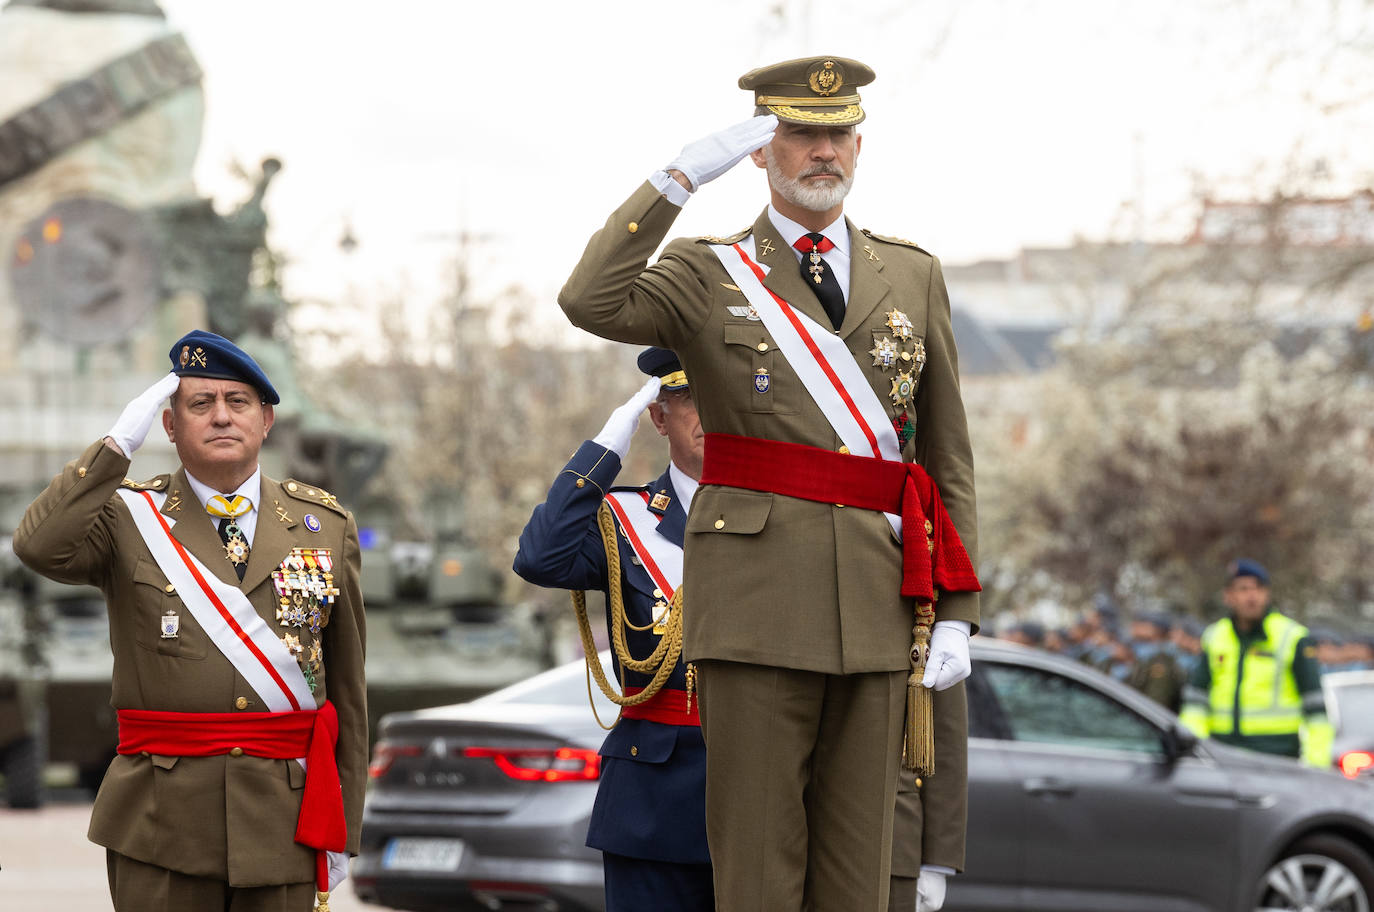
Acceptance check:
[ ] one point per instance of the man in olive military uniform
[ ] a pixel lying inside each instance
(236, 623)
(826, 379)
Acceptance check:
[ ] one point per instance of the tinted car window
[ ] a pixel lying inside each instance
(1046, 708)
(1356, 706)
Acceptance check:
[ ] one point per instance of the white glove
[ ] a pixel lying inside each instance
(708, 158)
(620, 427)
(930, 891)
(133, 423)
(948, 663)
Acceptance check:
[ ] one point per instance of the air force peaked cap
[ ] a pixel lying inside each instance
(204, 354)
(661, 362)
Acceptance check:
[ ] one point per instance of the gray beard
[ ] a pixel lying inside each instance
(814, 199)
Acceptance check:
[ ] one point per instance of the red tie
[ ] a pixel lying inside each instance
(805, 243)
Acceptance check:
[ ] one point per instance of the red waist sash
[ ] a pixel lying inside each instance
(932, 554)
(667, 706)
(280, 736)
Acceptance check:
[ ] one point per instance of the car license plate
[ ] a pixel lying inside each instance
(405, 854)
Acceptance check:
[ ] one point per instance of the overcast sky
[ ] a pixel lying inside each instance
(992, 125)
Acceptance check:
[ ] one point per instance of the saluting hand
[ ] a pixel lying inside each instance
(133, 423)
(620, 427)
(949, 662)
(709, 157)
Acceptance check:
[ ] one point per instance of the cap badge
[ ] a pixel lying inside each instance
(198, 357)
(826, 79)
(185, 355)
(312, 522)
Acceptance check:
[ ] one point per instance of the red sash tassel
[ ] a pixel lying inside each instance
(279, 736)
(929, 559)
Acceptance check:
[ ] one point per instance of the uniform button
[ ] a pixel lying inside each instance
(236, 752)
(906, 356)
(170, 588)
(658, 593)
(763, 346)
(310, 491)
(844, 450)
(81, 472)
(839, 505)
(720, 524)
(581, 483)
(291, 486)
(919, 783)
(634, 752)
(633, 226)
(241, 703)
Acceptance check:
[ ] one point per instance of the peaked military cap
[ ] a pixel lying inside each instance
(810, 90)
(204, 354)
(661, 362)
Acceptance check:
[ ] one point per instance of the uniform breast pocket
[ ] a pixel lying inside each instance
(752, 361)
(161, 623)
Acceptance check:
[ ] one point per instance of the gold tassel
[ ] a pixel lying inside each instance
(918, 747)
(321, 901)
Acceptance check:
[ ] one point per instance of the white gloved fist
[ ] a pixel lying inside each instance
(948, 663)
(133, 423)
(708, 158)
(930, 891)
(620, 427)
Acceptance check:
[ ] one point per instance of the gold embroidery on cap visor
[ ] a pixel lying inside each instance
(847, 116)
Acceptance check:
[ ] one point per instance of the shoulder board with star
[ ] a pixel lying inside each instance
(312, 494)
(156, 483)
(732, 239)
(894, 240)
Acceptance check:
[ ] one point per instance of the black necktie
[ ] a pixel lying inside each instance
(819, 277)
(235, 545)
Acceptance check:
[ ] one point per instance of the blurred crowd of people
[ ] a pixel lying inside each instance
(1155, 652)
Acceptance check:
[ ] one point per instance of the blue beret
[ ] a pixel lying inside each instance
(661, 362)
(1246, 567)
(204, 354)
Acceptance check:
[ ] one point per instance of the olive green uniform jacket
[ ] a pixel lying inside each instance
(788, 582)
(227, 817)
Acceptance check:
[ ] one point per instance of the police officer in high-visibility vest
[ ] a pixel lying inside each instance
(1258, 684)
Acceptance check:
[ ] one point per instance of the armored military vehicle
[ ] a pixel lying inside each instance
(438, 631)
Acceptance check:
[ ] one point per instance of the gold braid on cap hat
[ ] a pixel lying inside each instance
(803, 101)
(660, 663)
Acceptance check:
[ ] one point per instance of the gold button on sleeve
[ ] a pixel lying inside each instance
(236, 752)
(241, 703)
(291, 486)
(633, 227)
(581, 483)
(634, 751)
(763, 346)
(81, 472)
(720, 524)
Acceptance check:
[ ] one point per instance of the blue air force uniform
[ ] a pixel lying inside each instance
(649, 819)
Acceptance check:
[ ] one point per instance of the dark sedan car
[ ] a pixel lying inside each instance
(1084, 796)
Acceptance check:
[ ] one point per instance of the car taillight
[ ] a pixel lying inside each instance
(528, 764)
(1355, 762)
(384, 753)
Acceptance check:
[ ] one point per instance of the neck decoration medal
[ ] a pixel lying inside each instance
(235, 545)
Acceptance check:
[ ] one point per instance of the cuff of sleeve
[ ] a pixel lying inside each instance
(939, 869)
(964, 626)
(596, 464)
(674, 192)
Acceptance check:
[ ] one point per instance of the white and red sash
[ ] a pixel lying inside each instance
(228, 618)
(823, 362)
(661, 558)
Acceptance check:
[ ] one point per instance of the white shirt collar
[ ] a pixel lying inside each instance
(683, 484)
(837, 232)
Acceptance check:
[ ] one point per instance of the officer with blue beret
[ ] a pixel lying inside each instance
(236, 624)
(649, 819)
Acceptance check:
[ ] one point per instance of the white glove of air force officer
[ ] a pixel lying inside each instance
(703, 161)
(930, 891)
(620, 427)
(131, 427)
